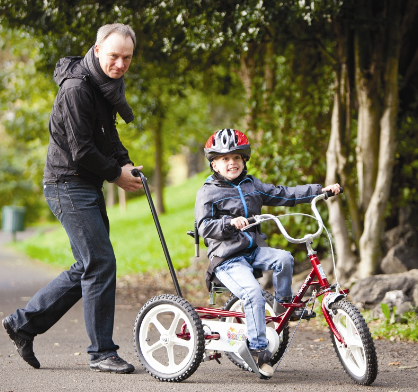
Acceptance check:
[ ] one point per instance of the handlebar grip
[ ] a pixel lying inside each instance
(135, 172)
(251, 220)
(331, 193)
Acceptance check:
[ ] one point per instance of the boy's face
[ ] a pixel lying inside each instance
(229, 165)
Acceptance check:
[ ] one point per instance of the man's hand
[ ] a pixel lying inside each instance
(127, 181)
(239, 222)
(335, 188)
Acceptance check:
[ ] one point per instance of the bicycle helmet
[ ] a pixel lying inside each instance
(226, 141)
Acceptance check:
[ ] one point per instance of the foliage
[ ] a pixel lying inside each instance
(189, 67)
(394, 327)
(25, 100)
(26, 97)
(133, 234)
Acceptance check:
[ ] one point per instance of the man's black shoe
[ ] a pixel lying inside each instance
(113, 364)
(23, 344)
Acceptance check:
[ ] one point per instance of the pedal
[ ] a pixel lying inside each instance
(245, 353)
(213, 356)
(307, 315)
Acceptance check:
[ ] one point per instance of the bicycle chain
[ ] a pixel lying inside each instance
(293, 334)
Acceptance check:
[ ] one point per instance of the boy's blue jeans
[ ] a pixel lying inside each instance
(237, 275)
(81, 209)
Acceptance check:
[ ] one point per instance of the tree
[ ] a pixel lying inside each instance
(157, 75)
(370, 37)
(298, 62)
(25, 101)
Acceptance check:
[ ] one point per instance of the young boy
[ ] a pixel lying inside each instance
(223, 204)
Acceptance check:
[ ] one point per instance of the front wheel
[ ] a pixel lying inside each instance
(168, 338)
(359, 358)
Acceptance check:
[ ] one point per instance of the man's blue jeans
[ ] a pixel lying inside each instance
(237, 275)
(81, 209)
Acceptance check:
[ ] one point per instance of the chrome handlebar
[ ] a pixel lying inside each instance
(307, 238)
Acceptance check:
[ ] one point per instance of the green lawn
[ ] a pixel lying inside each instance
(133, 234)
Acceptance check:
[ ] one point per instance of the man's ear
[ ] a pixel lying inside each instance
(96, 50)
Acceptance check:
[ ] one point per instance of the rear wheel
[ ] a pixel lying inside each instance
(168, 338)
(359, 358)
(234, 304)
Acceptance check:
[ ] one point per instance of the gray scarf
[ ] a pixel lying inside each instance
(112, 89)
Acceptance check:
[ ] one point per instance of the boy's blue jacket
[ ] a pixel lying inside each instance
(217, 202)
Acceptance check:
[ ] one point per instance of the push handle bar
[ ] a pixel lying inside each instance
(138, 173)
(257, 219)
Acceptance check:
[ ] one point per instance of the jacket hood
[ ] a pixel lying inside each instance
(69, 68)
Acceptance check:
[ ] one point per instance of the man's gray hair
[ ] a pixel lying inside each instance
(106, 30)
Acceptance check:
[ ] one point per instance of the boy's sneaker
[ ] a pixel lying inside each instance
(278, 308)
(262, 359)
(113, 364)
(23, 344)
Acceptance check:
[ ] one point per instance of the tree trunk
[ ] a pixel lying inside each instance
(338, 167)
(374, 220)
(368, 89)
(122, 199)
(110, 194)
(346, 260)
(158, 172)
(246, 74)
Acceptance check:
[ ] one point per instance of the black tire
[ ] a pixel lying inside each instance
(160, 351)
(359, 358)
(235, 358)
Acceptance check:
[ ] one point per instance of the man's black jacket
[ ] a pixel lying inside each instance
(83, 142)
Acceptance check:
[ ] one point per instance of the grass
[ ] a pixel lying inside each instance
(133, 234)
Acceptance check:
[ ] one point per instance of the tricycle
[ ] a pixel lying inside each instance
(172, 338)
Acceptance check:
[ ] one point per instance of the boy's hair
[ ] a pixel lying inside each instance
(121, 29)
(226, 141)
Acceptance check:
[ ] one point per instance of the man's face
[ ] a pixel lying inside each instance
(115, 55)
(228, 165)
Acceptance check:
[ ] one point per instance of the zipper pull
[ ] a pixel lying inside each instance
(103, 130)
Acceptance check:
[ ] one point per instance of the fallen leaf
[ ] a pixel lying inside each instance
(56, 344)
(319, 340)
(77, 353)
(394, 364)
(408, 367)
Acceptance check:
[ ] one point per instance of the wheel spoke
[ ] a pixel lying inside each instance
(170, 354)
(172, 329)
(352, 338)
(358, 356)
(182, 342)
(158, 325)
(154, 347)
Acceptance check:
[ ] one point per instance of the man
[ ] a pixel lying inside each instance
(84, 150)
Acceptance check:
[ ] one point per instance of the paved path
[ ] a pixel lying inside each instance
(310, 363)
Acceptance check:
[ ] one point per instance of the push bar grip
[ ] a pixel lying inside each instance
(135, 172)
(331, 193)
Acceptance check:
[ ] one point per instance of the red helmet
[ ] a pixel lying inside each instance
(226, 141)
